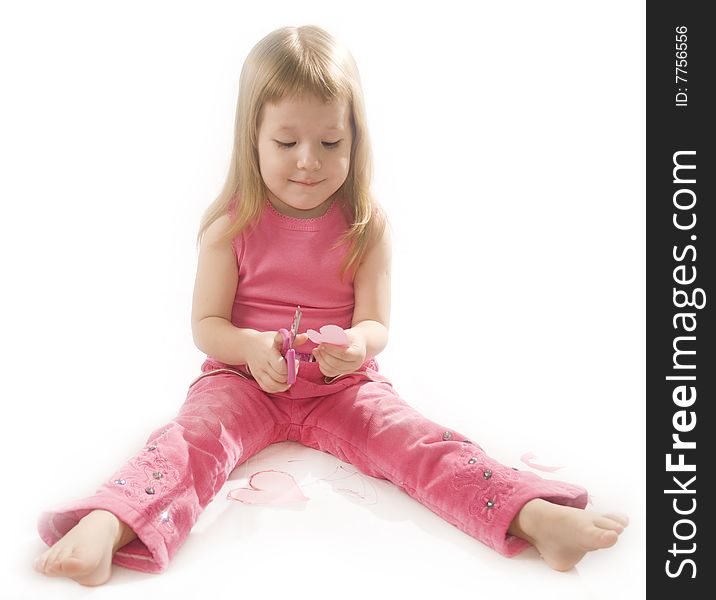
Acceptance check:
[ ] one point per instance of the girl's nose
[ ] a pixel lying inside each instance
(308, 160)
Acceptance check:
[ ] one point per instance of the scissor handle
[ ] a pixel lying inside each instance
(291, 364)
(286, 341)
(287, 351)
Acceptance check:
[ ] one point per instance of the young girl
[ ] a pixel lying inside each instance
(296, 226)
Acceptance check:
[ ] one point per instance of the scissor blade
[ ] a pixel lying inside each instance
(296, 321)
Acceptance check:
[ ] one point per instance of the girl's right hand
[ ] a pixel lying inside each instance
(266, 364)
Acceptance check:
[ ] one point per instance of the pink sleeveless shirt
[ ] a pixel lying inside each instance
(287, 262)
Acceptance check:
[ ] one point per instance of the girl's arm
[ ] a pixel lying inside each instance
(217, 276)
(371, 287)
(222, 340)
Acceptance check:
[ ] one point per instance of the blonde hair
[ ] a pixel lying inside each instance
(294, 62)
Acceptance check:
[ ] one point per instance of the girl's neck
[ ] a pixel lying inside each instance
(289, 211)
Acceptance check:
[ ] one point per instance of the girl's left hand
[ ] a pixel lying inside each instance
(338, 360)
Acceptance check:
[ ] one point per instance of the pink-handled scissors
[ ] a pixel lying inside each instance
(287, 350)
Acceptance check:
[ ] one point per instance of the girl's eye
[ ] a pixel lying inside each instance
(329, 145)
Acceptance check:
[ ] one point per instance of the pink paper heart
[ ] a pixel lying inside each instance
(330, 334)
(269, 487)
(527, 459)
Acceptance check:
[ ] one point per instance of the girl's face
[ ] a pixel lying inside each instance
(304, 140)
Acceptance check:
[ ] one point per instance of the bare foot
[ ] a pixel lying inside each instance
(85, 552)
(564, 534)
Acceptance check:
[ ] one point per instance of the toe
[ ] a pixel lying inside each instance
(619, 517)
(48, 563)
(609, 523)
(602, 538)
(608, 539)
(73, 566)
(41, 562)
(60, 559)
(594, 538)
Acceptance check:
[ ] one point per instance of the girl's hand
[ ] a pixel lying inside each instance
(337, 360)
(266, 364)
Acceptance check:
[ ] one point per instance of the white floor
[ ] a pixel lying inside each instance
(355, 537)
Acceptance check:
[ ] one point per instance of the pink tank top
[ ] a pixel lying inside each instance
(287, 262)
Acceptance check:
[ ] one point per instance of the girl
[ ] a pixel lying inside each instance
(296, 226)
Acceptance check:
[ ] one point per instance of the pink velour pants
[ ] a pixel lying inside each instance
(359, 418)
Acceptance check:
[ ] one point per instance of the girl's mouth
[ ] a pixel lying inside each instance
(306, 184)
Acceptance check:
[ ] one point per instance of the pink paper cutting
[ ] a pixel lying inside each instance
(527, 459)
(367, 496)
(269, 487)
(329, 334)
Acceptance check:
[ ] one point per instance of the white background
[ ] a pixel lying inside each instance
(509, 149)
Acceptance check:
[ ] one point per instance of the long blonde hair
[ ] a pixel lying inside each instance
(292, 62)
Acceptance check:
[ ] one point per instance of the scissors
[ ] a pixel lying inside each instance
(287, 350)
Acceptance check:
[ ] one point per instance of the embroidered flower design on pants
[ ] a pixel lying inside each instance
(495, 483)
(149, 482)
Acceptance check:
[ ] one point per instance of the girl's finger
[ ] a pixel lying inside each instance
(337, 356)
(278, 341)
(320, 355)
(277, 368)
(301, 339)
(334, 365)
(327, 370)
(273, 385)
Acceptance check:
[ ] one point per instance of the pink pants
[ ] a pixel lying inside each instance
(227, 418)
